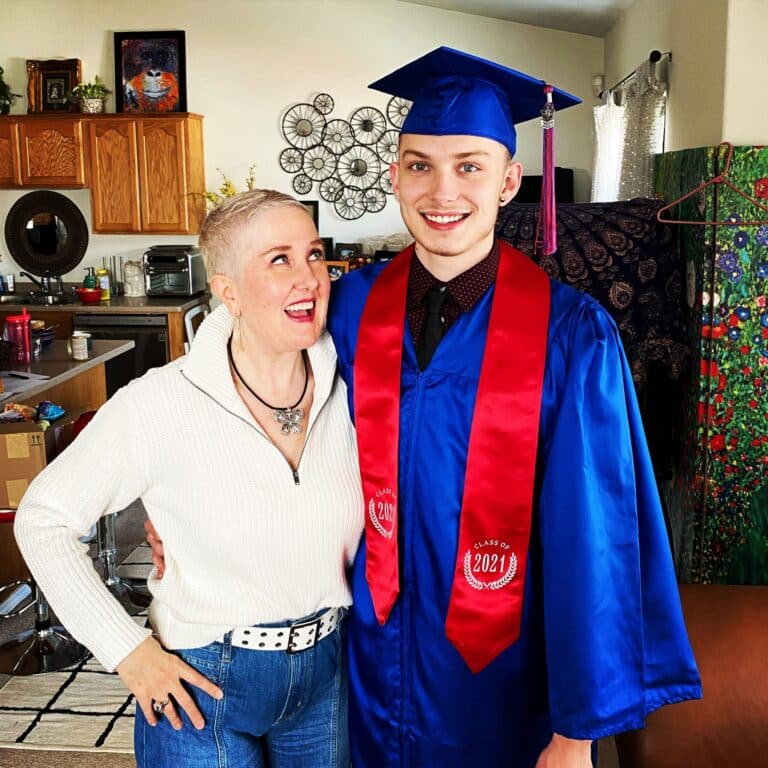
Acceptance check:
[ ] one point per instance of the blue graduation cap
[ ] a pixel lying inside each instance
(455, 93)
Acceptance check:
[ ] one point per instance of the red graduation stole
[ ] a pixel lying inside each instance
(487, 593)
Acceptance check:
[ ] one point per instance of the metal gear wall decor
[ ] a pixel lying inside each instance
(368, 125)
(303, 126)
(331, 189)
(387, 146)
(291, 160)
(359, 167)
(337, 136)
(374, 199)
(347, 159)
(397, 110)
(319, 163)
(302, 184)
(350, 204)
(324, 103)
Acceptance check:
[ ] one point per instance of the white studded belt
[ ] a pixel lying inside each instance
(291, 639)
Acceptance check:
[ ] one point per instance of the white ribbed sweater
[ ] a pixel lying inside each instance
(244, 544)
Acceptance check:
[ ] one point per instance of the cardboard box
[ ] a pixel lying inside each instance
(24, 450)
(22, 456)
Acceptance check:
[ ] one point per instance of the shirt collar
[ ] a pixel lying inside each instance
(465, 289)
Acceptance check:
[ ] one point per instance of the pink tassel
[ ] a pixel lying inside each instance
(547, 219)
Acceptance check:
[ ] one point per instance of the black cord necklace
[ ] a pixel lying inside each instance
(289, 417)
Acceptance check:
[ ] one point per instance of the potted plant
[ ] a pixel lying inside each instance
(6, 95)
(91, 95)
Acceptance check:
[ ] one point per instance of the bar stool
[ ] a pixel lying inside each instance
(132, 594)
(45, 648)
(192, 320)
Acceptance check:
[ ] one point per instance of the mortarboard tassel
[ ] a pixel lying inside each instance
(547, 222)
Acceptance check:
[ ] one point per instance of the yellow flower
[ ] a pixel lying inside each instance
(250, 180)
(227, 188)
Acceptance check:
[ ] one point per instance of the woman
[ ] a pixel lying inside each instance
(244, 457)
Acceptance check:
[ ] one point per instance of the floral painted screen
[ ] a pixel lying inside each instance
(719, 499)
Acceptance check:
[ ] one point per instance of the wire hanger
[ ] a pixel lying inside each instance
(721, 178)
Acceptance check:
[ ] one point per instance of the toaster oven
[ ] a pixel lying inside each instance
(174, 270)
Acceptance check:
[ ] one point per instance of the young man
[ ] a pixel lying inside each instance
(514, 595)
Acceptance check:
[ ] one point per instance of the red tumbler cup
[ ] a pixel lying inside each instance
(18, 333)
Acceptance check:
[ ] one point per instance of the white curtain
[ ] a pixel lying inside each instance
(645, 100)
(609, 147)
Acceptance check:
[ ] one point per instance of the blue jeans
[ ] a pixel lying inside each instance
(279, 711)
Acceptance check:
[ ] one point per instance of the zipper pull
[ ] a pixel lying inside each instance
(296, 477)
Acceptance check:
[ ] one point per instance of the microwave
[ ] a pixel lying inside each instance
(174, 270)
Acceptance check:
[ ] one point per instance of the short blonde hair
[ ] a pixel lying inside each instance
(222, 224)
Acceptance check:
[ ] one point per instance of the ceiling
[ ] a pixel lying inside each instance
(586, 17)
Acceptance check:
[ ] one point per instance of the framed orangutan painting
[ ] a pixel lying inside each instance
(150, 72)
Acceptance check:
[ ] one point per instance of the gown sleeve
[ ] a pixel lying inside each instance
(616, 644)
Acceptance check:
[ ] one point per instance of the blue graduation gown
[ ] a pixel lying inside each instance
(602, 641)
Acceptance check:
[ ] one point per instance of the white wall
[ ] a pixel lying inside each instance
(249, 60)
(745, 119)
(695, 31)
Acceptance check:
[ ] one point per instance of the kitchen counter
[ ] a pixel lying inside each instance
(61, 316)
(55, 362)
(124, 305)
(77, 386)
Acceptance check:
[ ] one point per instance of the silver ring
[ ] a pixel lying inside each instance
(159, 706)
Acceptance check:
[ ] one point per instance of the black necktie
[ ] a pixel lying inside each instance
(433, 324)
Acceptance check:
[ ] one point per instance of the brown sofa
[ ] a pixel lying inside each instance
(728, 728)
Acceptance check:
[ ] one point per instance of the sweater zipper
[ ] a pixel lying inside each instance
(296, 480)
(294, 472)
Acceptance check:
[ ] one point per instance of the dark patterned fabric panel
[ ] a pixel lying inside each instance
(620, 255)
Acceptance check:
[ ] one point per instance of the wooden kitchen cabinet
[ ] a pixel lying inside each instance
(147, 174)
(42, 152)
(52, 152)
(10, 167)
(170, 173)
(114, 165)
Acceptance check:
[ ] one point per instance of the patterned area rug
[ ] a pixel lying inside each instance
(82, 708)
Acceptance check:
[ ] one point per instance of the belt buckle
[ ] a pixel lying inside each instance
(316, 623)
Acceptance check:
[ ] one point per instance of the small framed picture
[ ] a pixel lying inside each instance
(150, 72)
(55, 92)
(337, 269)
(313, 209)
(49, 83)
(346, 251)
(327, 246)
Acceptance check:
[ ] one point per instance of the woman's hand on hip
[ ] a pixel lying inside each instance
(152, 674)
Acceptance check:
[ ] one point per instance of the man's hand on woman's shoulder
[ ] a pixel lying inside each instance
(154, 541)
